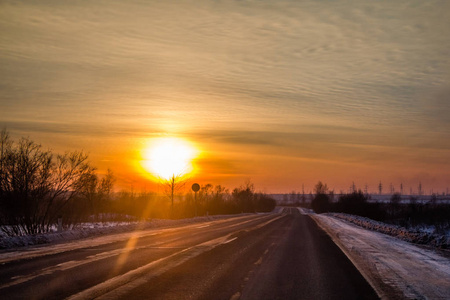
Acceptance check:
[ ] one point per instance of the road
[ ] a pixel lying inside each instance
(260, 256)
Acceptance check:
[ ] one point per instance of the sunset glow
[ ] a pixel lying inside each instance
(167, 157)
(284, 93)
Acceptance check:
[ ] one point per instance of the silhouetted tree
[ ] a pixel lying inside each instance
(243, 197)
(218, 200)
(35, 184)
(172, 186)
(396, 199)
(320, 188)
(354, 203)
(203, 198)
(264, 203)
(321, 201)
(96, 192)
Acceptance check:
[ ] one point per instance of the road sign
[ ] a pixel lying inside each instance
(196, 187)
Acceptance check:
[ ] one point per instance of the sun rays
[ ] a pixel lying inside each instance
(164, 158)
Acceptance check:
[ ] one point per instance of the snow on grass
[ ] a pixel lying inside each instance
(394, 267)
(95, 229)
(82, 238)
(426, 235)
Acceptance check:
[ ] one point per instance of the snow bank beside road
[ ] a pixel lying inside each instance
(96, 229)
(395, 268)
(414, 235)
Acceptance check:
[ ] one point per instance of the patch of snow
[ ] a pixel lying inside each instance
(95, 229)
(418, 235)
(77, 239)
(394, 267)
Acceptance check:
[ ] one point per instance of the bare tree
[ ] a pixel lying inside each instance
(96, 192)
(320, 188)
(87, 186)
(173, 185)
(321, 200)
(204, 196)
(218, 198)
(35, 184)
(107, 183)
(244, 197)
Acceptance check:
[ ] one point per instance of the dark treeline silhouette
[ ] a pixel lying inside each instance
(210, 200)
(321, 200)
(40, 190)
(38, 187)
(412, 213)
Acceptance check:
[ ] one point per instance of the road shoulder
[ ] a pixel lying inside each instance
(394, 268)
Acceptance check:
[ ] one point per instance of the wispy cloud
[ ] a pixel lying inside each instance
(268, 73)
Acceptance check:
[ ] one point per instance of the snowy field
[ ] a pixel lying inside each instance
(394, 267)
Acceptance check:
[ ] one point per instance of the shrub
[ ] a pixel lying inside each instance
(354, 203)
(321, 203)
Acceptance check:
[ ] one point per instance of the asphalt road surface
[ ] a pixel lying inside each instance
(261, 256)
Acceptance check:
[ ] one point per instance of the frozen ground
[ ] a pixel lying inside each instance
(395, 268)
(87, 230)
(425, 235)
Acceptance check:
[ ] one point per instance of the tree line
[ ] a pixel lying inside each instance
(394, 212)
(210, 200)
(37, 187)
(40, 189)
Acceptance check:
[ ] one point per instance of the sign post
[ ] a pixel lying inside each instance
(195, 188)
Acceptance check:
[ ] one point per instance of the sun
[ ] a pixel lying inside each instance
(167, 157)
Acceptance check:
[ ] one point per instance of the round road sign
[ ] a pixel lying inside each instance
(195, 187)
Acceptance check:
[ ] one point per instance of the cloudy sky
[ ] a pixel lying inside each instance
(283, 93)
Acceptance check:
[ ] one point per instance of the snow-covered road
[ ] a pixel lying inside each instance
(392, 266)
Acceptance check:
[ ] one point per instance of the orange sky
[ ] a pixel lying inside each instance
(282, 93)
